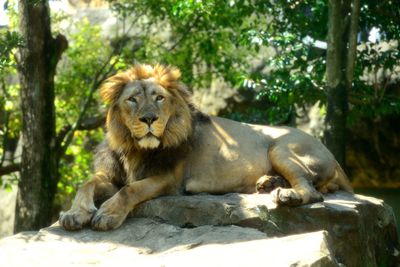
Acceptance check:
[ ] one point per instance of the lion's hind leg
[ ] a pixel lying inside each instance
(298, 174)
(330, 187)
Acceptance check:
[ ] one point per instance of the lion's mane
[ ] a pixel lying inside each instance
(180, 124)
(177, 138)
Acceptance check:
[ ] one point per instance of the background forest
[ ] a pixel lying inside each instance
(331, 68)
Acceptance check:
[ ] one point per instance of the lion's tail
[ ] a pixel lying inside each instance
(341, 179)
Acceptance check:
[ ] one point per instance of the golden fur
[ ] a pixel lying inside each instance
(159, 144)
(178, 128)
(166, 77)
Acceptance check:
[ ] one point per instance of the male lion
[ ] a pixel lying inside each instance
(158, 143)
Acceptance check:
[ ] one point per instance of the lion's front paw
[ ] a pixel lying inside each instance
(108, 218)
(75, 219)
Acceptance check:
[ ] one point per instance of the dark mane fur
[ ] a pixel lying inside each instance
(120, 153)
(149, 162)
(162, 160)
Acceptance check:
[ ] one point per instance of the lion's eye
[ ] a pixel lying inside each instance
(132, 99)
(160, 98)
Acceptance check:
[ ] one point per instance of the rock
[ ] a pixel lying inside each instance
(145, 242)
(362, 229)
(228, 230)
(7, 211)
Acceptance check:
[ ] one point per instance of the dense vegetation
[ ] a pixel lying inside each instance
(270, 51)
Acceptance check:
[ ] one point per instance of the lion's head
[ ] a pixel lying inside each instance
(149, 108)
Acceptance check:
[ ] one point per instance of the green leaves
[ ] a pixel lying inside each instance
(259, 47)
(86, 53)
(9, 42)
(75, 167)
(295, 72)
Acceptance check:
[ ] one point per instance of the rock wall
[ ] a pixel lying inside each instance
(228, 230)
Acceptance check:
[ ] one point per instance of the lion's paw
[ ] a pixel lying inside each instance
(103, 221)
(73, 220)
(268, 183)
(291, 197)
(108, 217)
(286, 196)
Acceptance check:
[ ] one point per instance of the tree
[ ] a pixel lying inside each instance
(340, 60)
(37, 65)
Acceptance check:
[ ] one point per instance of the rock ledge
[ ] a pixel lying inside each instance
(228, 230)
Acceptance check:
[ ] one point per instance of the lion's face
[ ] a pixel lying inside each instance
(149, 108)
(145, 108)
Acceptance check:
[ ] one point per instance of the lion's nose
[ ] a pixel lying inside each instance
(148, 118)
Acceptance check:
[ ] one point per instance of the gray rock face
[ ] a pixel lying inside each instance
(145, 242)
(228, 230)
(7, 211)
(362, 229)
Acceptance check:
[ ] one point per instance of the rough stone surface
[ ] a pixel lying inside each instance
(145, 242)
(228, 230)
(362, 229)
(7, 211)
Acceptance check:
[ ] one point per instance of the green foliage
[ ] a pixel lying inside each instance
(81, 63)
(75, 167)
(297, 68)
(200, 37)
(10, 122)
(211, 39)
(207, 40)
(9, 41)
(76, 72)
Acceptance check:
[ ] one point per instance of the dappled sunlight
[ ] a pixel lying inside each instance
(194, 253)
(300, 164)
(341, 205)
(223, 136)
(272, 132)
(373, 200)
(346, 201)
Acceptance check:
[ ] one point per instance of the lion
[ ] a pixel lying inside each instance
(158, 143)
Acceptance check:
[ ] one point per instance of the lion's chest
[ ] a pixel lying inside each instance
(141, 165)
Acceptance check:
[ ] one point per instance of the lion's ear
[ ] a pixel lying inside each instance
(167, 77)
(112, 88)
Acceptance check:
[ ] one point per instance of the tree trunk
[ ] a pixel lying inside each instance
(37, 62)
(340, 61)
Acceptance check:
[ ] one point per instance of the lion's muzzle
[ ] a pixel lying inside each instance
(149, 118)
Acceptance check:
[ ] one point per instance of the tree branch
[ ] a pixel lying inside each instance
(86, 124)
(10, 169)
(92, 123)
(98, 79)
(66, 134)
(6, 123)
(184, 35)
(58, 45)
